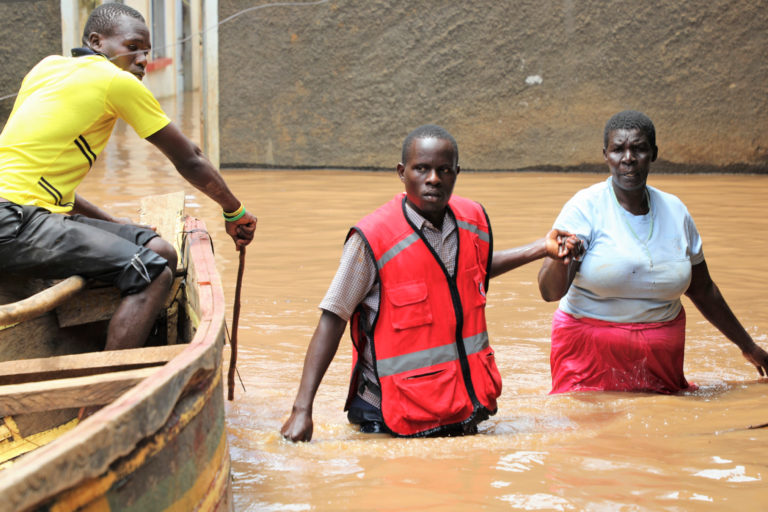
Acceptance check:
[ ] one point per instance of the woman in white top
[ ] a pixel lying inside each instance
(620, 325)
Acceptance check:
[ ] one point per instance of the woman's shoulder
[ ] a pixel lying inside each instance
(591, 194)
(667, 200)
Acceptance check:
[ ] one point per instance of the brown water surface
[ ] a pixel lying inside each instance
(586, 451)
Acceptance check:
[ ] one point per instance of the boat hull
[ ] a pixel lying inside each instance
(160, 446)
(184, 466)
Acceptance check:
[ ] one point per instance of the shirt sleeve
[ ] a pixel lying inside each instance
(573, 218)
(353, 281)
(695, 245)
(134, 103)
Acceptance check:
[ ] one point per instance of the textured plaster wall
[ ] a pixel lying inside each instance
(30, 30)
(521, 84)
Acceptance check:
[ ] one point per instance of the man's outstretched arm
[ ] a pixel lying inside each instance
(322, 348)
(556, 244)
(194, 167)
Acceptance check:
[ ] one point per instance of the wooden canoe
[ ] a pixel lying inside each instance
(159, 442)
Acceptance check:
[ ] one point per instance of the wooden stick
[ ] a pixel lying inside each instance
(235, 319)
(41, 302)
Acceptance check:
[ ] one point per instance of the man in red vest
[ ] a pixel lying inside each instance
(412, 281)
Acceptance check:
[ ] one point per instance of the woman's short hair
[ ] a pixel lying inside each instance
(630, 120)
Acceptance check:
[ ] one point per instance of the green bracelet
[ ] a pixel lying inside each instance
(234, 212)
(235, 216)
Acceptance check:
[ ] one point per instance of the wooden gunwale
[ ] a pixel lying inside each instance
(82, 494)
(114, 431)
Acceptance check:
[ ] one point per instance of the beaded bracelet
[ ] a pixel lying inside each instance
(235, 215)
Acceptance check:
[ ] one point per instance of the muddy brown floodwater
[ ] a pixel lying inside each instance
(585, 451)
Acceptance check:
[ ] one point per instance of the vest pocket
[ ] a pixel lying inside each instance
(430, 395)
(477, 278)
(487, 381)
(410, 307)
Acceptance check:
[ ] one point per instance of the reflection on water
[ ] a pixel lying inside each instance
(596, 451)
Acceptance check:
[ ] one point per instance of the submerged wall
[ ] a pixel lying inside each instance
(523, 84)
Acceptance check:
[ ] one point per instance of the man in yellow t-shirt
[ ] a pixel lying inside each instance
(62, 118)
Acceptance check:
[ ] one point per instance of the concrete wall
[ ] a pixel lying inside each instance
(30, 30)
(521, 84)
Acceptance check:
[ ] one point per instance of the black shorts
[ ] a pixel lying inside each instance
(38, 243)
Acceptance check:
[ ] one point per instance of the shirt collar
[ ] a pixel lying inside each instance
(84, 51)
(449, 224)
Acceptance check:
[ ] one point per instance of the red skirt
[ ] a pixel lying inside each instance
(594, 355)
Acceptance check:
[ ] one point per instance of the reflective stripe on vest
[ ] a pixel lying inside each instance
(414, 237)
(432, 356)
(397, 248)
(474, 229)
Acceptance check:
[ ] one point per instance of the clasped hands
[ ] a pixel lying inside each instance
(562, 245)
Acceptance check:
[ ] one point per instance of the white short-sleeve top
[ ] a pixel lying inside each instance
(635, 267)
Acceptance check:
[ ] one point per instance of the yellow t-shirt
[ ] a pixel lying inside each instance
(62, 119)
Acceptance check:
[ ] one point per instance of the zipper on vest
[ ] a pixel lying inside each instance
(463, 360)
(457, 309)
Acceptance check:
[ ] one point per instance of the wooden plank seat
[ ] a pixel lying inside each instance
(92, 305)
(50, 395)
(79, 380)
(90, 363)
(99, 303)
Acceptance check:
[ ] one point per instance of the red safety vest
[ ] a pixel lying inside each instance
(429, 340)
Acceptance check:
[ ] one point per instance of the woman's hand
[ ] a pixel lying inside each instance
(562, 245)
(558, 270)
